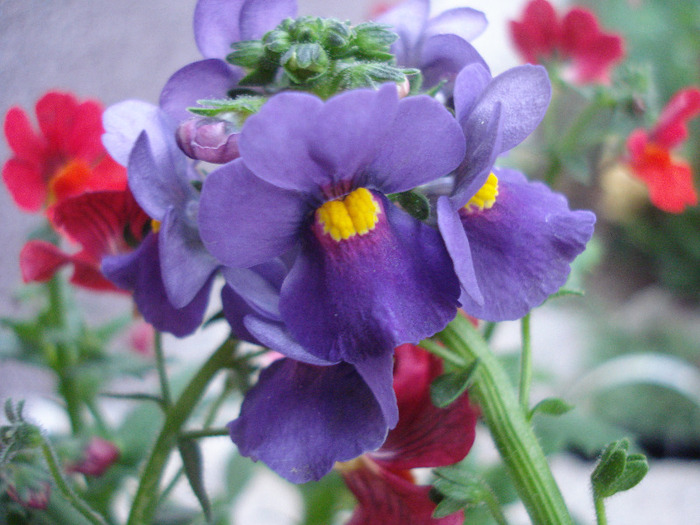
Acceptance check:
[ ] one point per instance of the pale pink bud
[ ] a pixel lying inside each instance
(208, 139)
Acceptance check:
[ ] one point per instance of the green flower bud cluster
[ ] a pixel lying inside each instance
(321, 55)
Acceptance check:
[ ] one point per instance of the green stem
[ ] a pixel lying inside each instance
(511, 432)
(75, 500)
(525, 364)
(162, 374)
(205, 433)
(143, 507)
(601, 517)
(494, 506)
(444, 353)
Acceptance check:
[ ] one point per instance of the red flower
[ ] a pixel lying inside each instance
(98, 456)
(669, 180)
(102, 223)
(65, 158)
(540, 35)
(425, 436)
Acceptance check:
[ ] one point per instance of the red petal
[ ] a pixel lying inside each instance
(22, 137)
(671, 128)
(107, 174)
(594, 53)
(84, 138)
(87, 273)
(40, 260)
(98, 220)
(385, 498)
(537, 34)
(25, 182)
(425, 436)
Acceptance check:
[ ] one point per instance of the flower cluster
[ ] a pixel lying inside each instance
(348, 213)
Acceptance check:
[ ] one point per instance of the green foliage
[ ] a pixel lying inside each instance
(551, 406)
(617, 470)
(447, 388)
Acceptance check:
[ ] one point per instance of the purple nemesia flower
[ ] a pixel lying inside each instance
(304, 413)
(313, 176)
(217, 25)
(436, 45)
(171, 272)
(511, 240)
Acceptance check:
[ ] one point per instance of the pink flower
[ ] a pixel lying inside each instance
(669, 180)
(541, 36)
(98, 456)
(64, 158)
(425, 436)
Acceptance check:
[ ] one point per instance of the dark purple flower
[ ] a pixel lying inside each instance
(208, 139)
(160, 177)
(436, 45)
(313, 176)
(511, 240)
(217, 25)
(304, 413)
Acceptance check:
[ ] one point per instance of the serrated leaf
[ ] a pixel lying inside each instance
(192, 462)
(446, 388)
(448, 506)
(551, 406)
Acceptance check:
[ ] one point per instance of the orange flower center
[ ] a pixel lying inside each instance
(69, 180)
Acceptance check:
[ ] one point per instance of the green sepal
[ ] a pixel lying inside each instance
(447, 388)
(247, 53)
(305, 62)
(416, 204)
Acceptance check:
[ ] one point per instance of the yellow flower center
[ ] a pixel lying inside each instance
(155, 226)
(485, 198)
(355, 214)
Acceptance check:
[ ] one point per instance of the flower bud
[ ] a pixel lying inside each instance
(208, 139)
(33, 497)
(98, 456)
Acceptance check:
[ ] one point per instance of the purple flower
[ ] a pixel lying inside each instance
(217, 25)
(304, 413)
(313, 177)
(171, 272)
(208, 139)
(437, 45)
(511, 240)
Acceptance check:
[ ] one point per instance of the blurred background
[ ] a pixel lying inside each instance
(627, 354)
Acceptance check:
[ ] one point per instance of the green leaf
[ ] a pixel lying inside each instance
(192, 461)
(617, 471)
(551, 406)
(446, 388)
(449, 506)
(415, 204)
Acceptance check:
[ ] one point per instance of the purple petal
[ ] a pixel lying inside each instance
(300, 419)
(243, 220)
(457, 245)
(257, 18)
(424, 143)
(471, 82)
(275, 336)
(350, 130)
(206, 79)
(364, 296)
(522, 247)
(377, 372)
(465, 22)
(185, 264)
(158, 182)
(140, 271)
(524, 93)
(483, 147)
(275, 142)
(217, 26)
(444, 56)
(124, 122)
(258, 286)
(408, 21)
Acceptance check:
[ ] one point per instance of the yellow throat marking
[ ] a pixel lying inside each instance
(485, 198)
(355, 214)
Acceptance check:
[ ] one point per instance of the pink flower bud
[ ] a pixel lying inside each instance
(208, 139)
(98, 456)
(35, 497)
